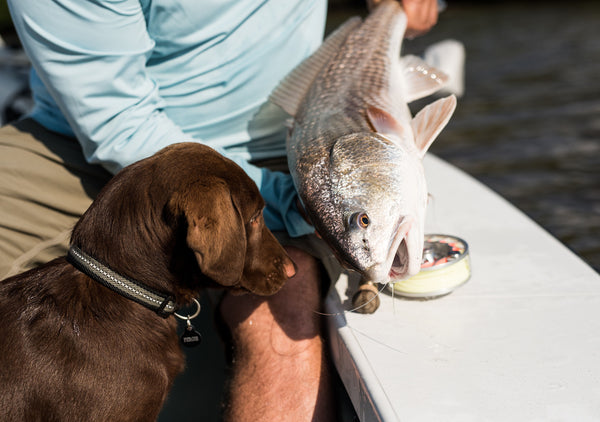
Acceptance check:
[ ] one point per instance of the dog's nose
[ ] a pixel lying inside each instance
(290, 268)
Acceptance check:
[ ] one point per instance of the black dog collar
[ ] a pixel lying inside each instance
(161, 303)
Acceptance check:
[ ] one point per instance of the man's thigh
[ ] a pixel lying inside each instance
(45, 186)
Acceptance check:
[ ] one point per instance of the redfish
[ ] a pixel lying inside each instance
(354, 149)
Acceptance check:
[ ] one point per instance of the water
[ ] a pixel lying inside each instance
(529, 123)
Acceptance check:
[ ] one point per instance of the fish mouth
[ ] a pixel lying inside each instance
(406, 261)
(400, 263)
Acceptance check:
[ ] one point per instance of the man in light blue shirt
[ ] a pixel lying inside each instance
(128, 77)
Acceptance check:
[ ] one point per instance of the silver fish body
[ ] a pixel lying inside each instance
(354, 149)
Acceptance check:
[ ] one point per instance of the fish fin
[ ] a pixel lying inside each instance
(429, 122)
(420, 79)
(293, 88)
(449, 57)
(384, 123)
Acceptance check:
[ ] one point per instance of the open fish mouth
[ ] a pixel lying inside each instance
(399, 268)
(403, 249)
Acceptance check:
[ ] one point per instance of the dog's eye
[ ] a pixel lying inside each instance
(256, 218)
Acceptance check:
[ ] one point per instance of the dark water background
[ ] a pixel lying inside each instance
(528, 125)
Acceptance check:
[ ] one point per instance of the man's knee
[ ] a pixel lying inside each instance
(294, 309)
(302, 291)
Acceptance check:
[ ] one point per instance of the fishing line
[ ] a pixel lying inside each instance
(393, 303)
(353, 309)
(446, 265)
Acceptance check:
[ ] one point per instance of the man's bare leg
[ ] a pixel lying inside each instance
(280, 370)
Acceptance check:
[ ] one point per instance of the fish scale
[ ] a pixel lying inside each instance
(354, 150)
(341, 93)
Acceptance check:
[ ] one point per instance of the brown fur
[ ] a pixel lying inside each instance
(74, 350)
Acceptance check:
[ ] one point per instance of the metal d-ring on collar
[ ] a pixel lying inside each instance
(190, 317)
(161, 303)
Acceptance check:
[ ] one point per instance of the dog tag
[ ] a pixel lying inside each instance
(191, 337)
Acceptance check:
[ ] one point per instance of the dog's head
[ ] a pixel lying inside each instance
(185, 208)
(227, 233)
(220, 208)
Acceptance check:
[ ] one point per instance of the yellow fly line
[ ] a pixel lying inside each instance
(446, 266)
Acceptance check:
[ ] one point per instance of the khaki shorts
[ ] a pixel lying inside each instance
(46, 185)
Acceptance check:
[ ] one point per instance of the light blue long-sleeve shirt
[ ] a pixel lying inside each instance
(129, 77)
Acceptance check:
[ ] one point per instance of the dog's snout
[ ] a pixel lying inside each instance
(290, 268)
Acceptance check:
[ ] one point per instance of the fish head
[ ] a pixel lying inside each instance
(379, 197)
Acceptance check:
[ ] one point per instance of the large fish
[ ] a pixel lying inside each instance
(354, 149)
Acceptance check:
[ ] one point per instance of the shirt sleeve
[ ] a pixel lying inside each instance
(91, 56)
(281, 212)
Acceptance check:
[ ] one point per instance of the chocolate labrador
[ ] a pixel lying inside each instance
(90, 336)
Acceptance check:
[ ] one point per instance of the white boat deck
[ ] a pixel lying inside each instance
(519, 342)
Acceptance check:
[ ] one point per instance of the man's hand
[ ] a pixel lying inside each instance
(421, 15)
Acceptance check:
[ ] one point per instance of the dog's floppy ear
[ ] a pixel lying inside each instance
(215, 231)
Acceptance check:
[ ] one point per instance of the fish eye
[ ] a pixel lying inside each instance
(363, 220)
(360, 219)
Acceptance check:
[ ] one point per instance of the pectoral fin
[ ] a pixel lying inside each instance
(420, 79)
(430, 121)
(384, 123)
